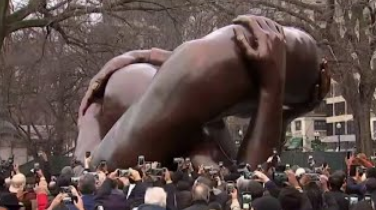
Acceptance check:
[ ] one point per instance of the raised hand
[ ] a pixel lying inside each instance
(267, 45)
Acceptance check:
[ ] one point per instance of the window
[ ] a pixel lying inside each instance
(340, 131)
(298, 125)
(319, 125)
(329, 129)
(339, 108)
(374, 126)
(329, 110)
(321, 109)
(350, 127)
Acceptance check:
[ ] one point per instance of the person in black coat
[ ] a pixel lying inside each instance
(200, 197)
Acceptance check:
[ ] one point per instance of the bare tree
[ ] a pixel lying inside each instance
(46, 71)
(51, 15)
(346, 33)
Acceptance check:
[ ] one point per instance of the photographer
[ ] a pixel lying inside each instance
(135, 192)
(170, 190)
(86, 187)
(108, 194)
(42, 191)
(311, 163)
(67, 200)
(370, 197)
(185, 171)
(251, 187)
(336, 183)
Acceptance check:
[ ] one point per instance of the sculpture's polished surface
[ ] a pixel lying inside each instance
(202, 81)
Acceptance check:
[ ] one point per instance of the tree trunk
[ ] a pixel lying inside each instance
(362, 117)
(2, 40)
(4, 10)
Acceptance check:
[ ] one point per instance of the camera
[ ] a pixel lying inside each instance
(208, 168)
(65, 190)
(230, 187)
(124, 172)
(87, 154)
(367, 198)
(103, 163)
(95, 174)
(141, 160)
(288, 167)
(179, 160)
(158, 172)
(213, 172)
(275, 151)
(75, 180)
(352, 199)
(280, 178)
(245, 171)
(35, 168)
(361, 170)
(7, 165)
(247, 200)
(99, 208)
(69, 198)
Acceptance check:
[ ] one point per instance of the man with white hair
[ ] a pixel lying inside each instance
(155, 199)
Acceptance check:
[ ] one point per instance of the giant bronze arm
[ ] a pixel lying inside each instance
(153, 56)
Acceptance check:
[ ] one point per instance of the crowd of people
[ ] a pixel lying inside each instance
(148, 186)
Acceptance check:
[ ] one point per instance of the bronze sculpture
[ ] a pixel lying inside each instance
(192, 89)
(123, 89)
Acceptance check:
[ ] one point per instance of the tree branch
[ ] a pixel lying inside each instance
(74, 11)
(4, 6)
(302, 17)
(22, 13)
(303, 5)
(33, 23)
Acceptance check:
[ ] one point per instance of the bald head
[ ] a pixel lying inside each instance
(200, 192)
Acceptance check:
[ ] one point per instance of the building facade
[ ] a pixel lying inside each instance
(334, 126)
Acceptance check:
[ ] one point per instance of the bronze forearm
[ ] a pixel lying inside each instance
(159, 56)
